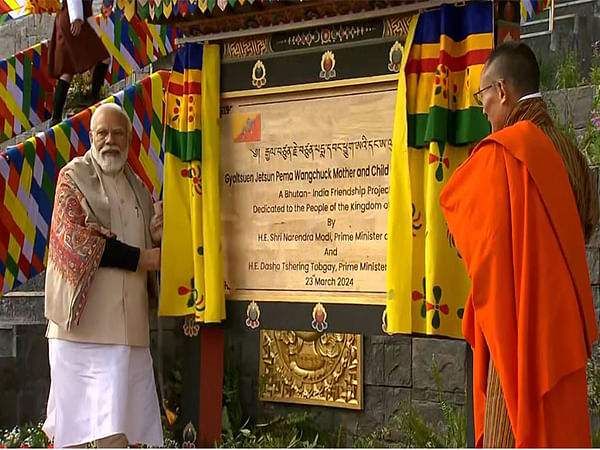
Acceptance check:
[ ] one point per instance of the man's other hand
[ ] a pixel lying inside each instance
(76, 27)
(156, 222)
(149, 259)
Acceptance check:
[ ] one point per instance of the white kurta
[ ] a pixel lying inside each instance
(98, 390)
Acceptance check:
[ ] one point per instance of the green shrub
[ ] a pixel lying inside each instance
(26, 436)
(547, 74)
(568, 71)
(290, 431)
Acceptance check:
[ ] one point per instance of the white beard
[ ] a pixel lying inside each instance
(110, 165)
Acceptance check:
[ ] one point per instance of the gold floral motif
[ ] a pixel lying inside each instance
(311, 368)
(191, 328)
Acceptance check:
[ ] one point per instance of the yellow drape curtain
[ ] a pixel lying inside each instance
(437, 122)
(192, 258)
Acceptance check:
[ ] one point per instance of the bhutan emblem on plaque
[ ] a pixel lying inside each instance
(319, 315)
(259, 74)
(327, 66)
(395, 57)
(253, 315)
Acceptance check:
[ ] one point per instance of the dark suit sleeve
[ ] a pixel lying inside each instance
(120, 255)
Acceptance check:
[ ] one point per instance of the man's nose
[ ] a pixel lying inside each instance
(110, 137)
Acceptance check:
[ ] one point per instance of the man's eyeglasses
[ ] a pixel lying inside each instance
(478, 95)
(102, 133)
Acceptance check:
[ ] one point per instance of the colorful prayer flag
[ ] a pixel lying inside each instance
(28, 174)
(133, 43)
(25, 91)
(531, 8)
(161, 9)
(9, 6)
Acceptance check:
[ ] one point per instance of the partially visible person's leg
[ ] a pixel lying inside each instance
(60, 98)
(114, 441)
(497, 430)
(98, 79)
(69, 54)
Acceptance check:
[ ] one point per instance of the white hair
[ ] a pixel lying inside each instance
(112, 107)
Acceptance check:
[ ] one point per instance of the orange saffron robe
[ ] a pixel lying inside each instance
(512, 212)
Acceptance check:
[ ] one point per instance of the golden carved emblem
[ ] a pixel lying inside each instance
(311, 368)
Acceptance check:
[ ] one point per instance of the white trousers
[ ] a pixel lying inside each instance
(99, 390)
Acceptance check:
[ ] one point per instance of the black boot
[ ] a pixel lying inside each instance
(98, 80)
(60, 97)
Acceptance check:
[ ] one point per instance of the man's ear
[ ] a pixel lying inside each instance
(91, 136)
(502, 92)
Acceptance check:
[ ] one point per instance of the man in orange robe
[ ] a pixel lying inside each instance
(518, 208)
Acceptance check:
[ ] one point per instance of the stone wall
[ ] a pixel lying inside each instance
(24, 380)
(20, 34)
(572, 106)
(593, 260)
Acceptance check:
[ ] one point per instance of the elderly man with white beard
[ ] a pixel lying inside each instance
(103, 254)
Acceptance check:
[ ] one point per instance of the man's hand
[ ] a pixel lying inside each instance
(156, 222)
(76, 27)
(149, 259)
